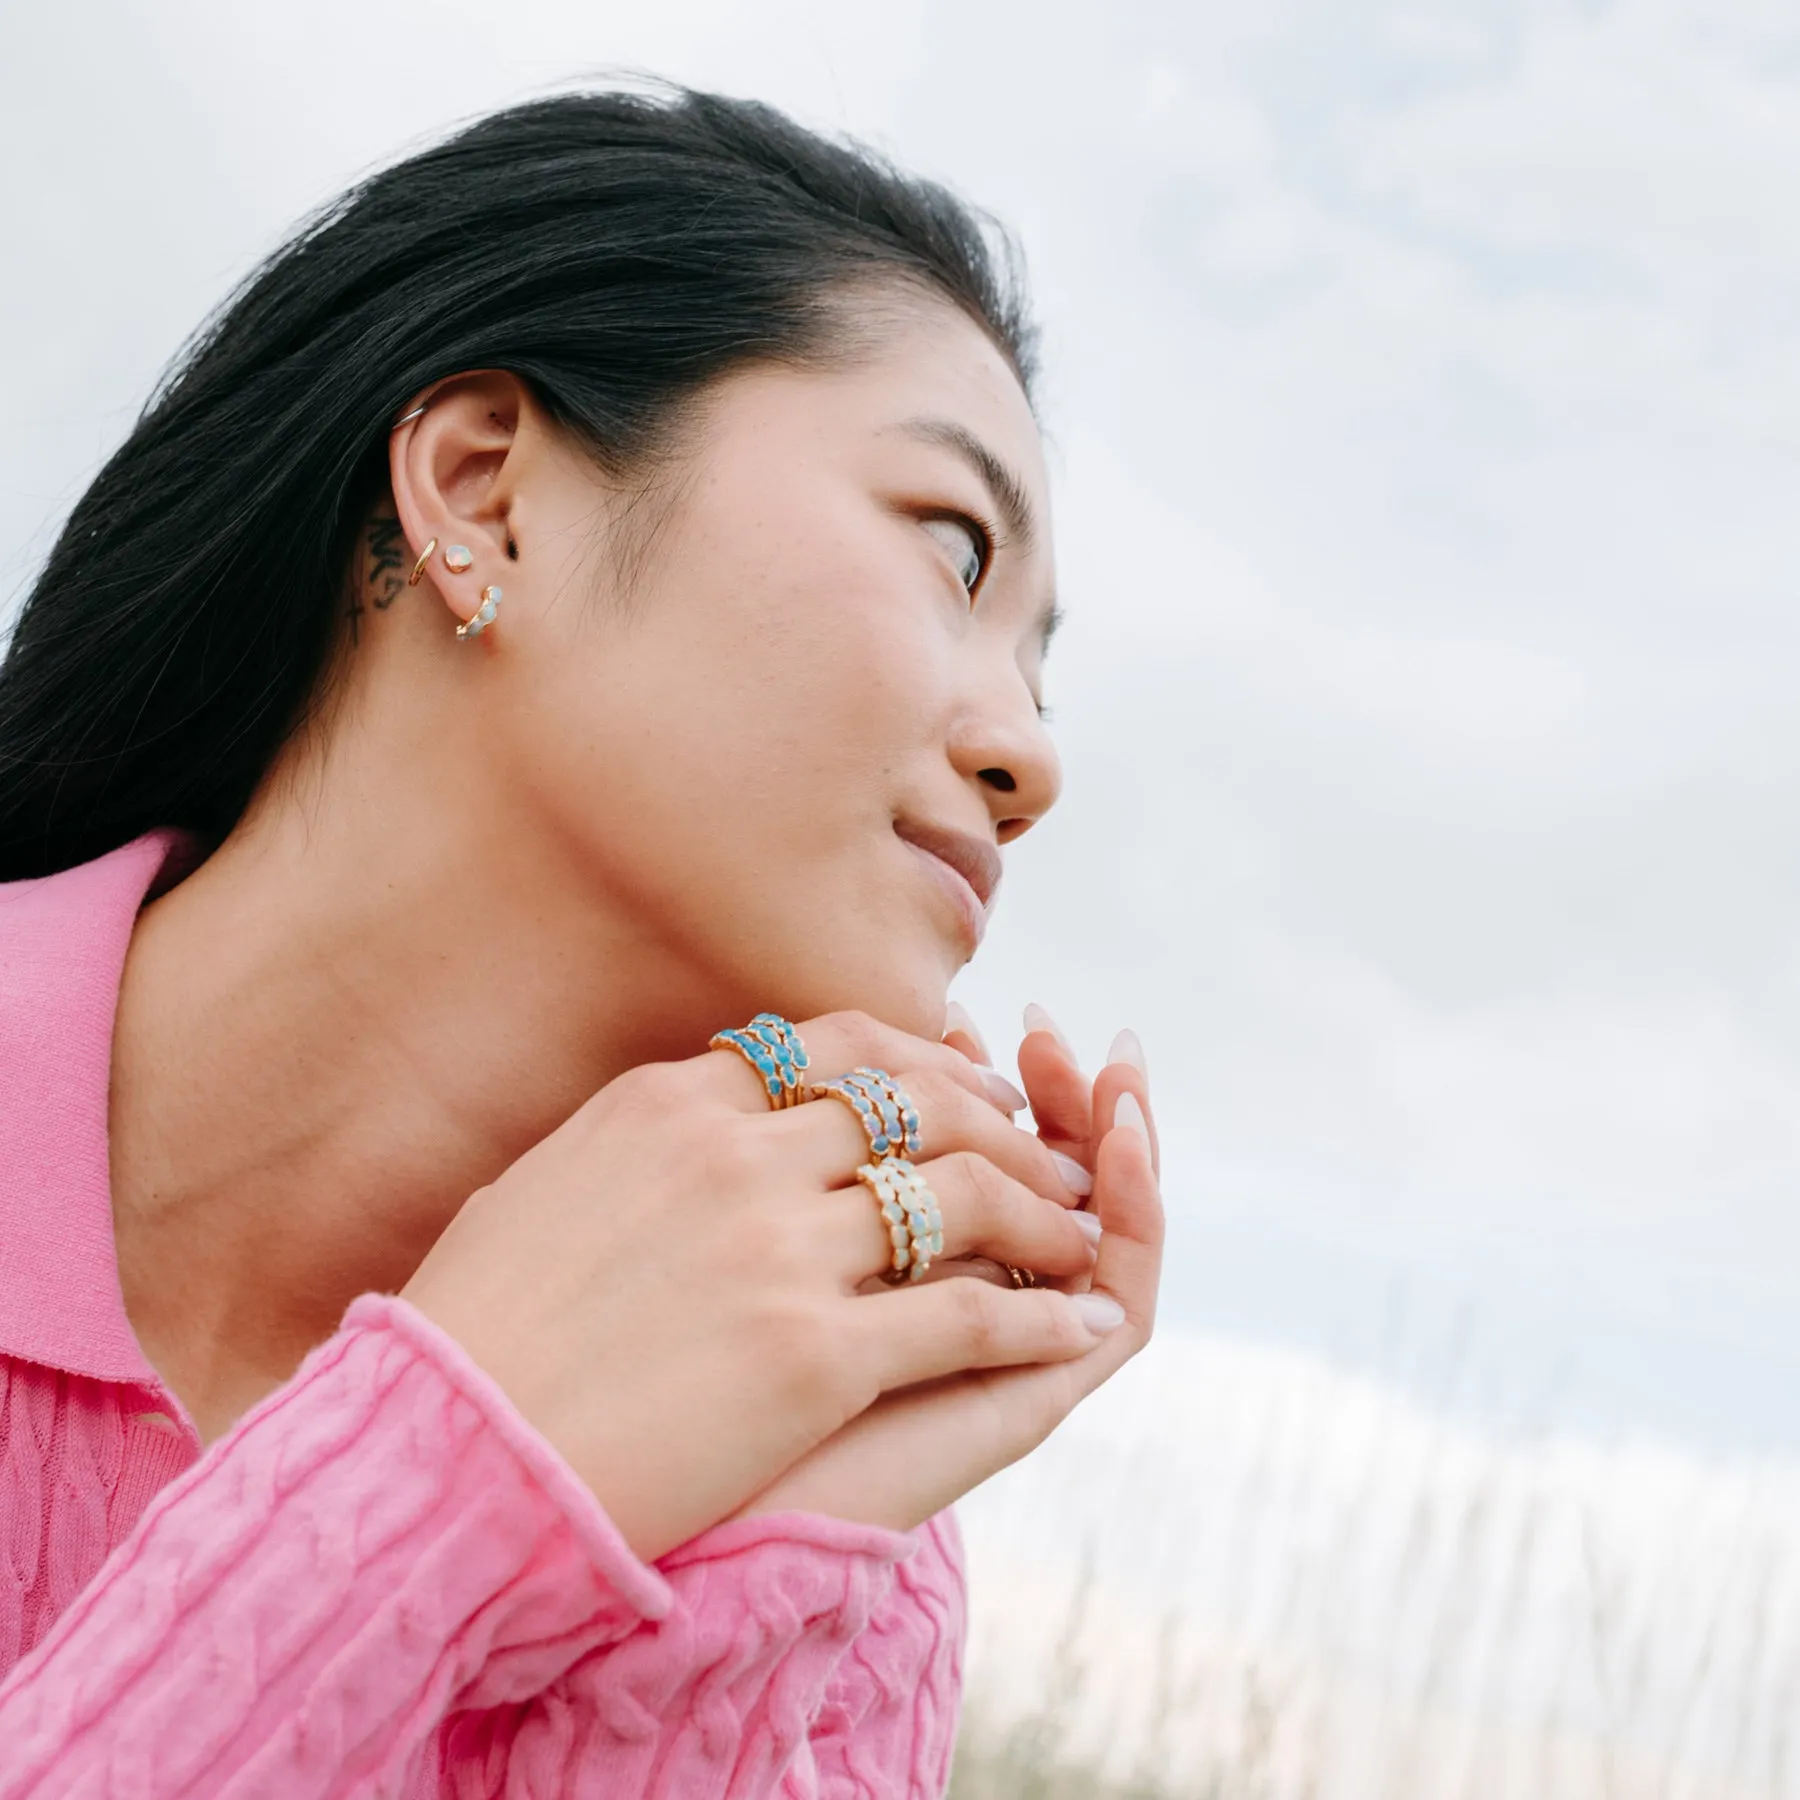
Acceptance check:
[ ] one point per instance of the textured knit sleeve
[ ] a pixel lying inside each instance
(381, 1542)
(888, 1724)
(803, 1659)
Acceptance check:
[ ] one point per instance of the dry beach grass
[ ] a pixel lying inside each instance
(1240, 1574)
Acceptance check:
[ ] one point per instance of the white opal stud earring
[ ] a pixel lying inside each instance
(458, 557)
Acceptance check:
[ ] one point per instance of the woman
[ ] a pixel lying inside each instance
(587, 591)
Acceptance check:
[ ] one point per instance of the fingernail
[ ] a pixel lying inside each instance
(1128, 1113)
(1100, 1313)
(999, 1090)
(956, 1018)
(1036, 1019)
(1088, 1224)
(1074, 1177)
(1127, 1049)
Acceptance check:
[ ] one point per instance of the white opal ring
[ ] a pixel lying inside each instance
(909, 1209)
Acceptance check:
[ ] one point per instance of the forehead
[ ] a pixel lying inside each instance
(902, 361)
(920, 356)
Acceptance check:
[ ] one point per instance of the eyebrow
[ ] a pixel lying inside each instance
(1010, 498)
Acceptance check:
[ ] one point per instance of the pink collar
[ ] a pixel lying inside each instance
(62, 955)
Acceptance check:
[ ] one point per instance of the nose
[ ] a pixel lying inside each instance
(1008, 755)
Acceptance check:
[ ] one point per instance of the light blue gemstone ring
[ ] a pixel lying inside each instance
(883, 1109)
(909, 1210)
(772, 1047)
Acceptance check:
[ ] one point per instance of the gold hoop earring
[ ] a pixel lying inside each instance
(418, 572)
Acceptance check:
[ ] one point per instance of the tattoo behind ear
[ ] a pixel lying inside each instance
(387, 560)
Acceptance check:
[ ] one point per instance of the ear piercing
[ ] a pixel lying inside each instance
(459, 558)
(491, 597)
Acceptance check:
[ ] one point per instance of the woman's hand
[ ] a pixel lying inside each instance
(915, 1452)
(667, 1286)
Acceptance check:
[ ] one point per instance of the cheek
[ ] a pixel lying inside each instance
(742, 719)
(827, 652)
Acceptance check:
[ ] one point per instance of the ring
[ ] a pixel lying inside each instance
(910, 1210)
(882, 1107)
(772, 1047)
(1021, 1278)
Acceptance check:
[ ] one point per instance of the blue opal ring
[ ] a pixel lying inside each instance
(772, 1047)
(882, 1107)
(909, 1210)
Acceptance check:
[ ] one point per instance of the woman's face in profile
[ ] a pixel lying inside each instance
(815, 671)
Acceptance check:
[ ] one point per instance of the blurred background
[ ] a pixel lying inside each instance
(1423, 388)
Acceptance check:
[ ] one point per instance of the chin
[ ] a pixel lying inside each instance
(910, 999)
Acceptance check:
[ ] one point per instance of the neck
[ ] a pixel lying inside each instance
(330, 1035)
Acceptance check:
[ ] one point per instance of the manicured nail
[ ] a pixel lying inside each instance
(956, 1018)
(1128, 1113)
(1100, 1313)
(1036, 1019)
(1001, 1091)
(1127, 1049)
(1075, 1178)
(1088, 1224)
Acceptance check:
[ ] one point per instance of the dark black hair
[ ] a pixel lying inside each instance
(618, 251)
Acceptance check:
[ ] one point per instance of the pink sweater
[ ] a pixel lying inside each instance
(382, 1581)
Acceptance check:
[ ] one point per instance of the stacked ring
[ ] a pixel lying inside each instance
(910, 1210)
(772, 1047)
(883, 1108)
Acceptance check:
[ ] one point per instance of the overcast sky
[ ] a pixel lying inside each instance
(1424, 385)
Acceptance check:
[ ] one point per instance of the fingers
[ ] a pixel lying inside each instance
(839, 1042)
(986, 1214)
(1060, 1095)
(961, 1033)
(918, 1333)
(1017, 1407)
(962, 1036)
(1126, 1270)
(1124, 1073)
(1128, 1267)
(827, 1139)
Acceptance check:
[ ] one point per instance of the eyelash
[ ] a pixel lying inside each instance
(986, 539)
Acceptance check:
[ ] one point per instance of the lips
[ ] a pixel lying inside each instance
(975, 859)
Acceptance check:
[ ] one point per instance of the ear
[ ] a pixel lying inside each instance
(455, 478)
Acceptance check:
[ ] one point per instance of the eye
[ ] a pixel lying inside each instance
(967, 545)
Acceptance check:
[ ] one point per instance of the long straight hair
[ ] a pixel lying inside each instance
(617, 250)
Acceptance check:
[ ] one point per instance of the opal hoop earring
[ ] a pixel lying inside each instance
(491, 597)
